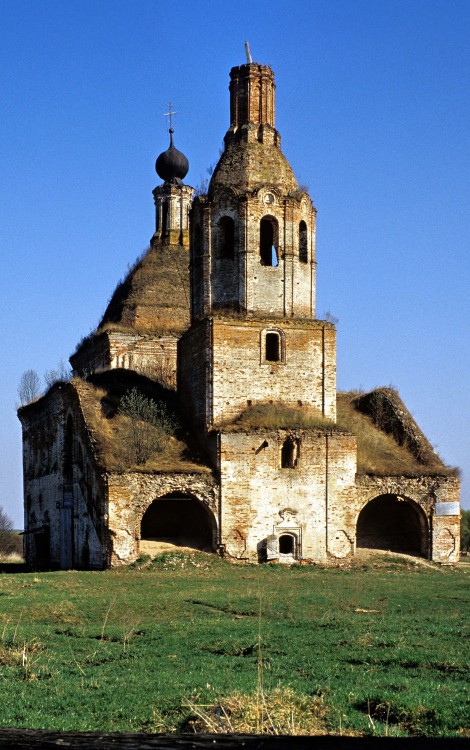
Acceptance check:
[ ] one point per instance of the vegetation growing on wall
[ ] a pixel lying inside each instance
(277, 416)
(112, 429)
(148, 425)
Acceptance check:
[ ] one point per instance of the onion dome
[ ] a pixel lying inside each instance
(172, 165)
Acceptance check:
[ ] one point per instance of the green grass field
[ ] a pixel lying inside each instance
(378, 648)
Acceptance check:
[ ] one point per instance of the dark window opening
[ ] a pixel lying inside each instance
(286, 544)
(289, 454)
(43, 546)
(227, 237)
(303, 242)
(268, 242)
(273, 347)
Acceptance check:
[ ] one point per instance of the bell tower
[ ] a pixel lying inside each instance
(253, 235)
(252, 271)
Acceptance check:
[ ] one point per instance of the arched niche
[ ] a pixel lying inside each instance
(179, 520)
(393, 523)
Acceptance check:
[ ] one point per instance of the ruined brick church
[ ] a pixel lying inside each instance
(217, 319)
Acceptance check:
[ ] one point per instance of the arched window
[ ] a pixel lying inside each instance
(273, 346)
(226, 238)
(268, 241)
(303, 242)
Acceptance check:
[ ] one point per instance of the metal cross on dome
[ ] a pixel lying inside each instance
(170, 114)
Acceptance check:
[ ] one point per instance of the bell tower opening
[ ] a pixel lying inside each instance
(268, 234)
(289, 453)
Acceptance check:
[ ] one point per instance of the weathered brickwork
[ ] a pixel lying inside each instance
(222, 308)
(428, 496)
(236, 274)
(148, 354)
(258, 493)
(224, 366)
(65, 503)
(172, 205)
(130, 495)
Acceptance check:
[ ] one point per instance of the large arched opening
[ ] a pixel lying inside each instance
(393, 523)
(177, 520)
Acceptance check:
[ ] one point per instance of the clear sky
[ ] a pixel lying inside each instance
(373, 106)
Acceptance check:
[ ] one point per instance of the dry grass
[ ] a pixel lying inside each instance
(14, 558)
(156, 290)
(109, 435)
(278, 416)
(280, 711)
(377, 452)
(164, 326)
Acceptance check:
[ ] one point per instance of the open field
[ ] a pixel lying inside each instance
(379, 647)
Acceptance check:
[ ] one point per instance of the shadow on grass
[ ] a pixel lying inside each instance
(9, 567)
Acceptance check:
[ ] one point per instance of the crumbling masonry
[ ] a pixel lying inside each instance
(269, 462)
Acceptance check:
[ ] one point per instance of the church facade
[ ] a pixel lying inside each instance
(218, 320)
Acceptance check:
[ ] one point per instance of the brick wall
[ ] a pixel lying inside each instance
(256, 491)
(63, 513)
(223, 367)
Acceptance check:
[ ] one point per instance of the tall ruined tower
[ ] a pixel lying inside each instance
(254, 336)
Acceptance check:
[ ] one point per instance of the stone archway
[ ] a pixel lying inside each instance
(393, 523)
(177, 520)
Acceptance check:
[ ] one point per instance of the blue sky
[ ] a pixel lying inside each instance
(373, 107)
